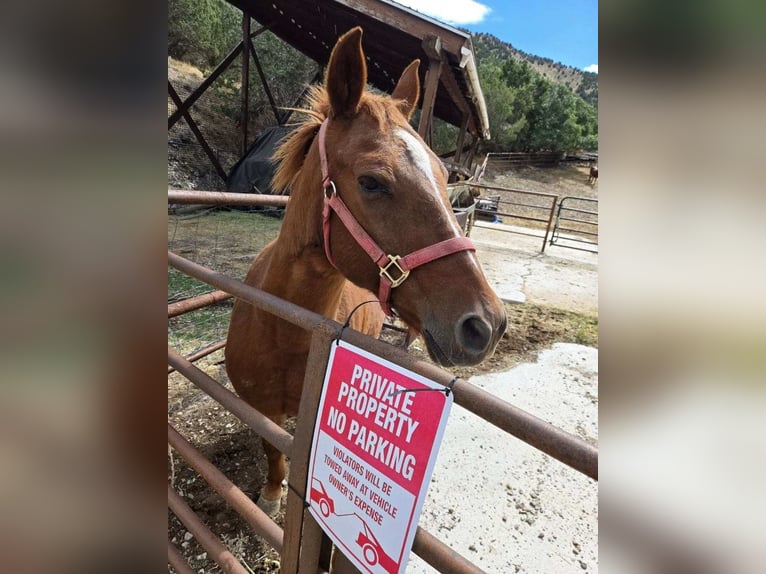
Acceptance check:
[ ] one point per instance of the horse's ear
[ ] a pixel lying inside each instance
(407, 89)
(346, 74)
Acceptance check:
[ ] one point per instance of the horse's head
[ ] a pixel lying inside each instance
(395, 188)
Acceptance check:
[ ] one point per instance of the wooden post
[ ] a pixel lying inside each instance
(432, 48)
(245, 75)
(303, 539)
(461, 138)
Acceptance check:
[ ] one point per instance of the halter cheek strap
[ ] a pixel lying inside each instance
(394, 269)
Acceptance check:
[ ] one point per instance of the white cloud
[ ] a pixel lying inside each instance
(456, 12)
(591, 68)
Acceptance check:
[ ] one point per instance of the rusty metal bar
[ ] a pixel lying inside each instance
(193, 303)
(197, 134)
(562, 446)
(506, 214)
(203, 352)
(279, 307)
(237, 499)
(264, 426)
(192, 197)
(494, 187)
(534, 431)
(177, 561)
(548, 226)
(209, 541)
(441, 556)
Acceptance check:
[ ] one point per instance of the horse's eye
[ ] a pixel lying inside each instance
(369, 184)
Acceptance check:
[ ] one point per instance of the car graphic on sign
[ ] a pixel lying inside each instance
(373, 552)
(319, 495)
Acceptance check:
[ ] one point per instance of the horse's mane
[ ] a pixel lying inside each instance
(292, 152)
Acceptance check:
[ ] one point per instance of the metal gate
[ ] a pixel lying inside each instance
(578, 222)
(302, 545)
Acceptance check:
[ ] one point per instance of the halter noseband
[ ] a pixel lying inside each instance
(394, 269)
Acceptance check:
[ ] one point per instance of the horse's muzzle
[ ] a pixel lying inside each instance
(474, 339)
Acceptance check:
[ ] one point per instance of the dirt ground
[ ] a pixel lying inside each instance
(538, 318)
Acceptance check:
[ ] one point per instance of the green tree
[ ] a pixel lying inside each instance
(504, 123)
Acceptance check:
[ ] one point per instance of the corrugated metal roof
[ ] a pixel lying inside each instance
(393, 37)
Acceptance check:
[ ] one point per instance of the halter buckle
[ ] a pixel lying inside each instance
(403, 274)
(330, 186)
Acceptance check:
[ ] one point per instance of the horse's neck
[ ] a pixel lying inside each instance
(299, 270)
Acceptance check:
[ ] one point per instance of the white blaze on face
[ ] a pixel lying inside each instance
(422, 160)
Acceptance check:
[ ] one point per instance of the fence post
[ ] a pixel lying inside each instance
(550, 220)
(302, 547)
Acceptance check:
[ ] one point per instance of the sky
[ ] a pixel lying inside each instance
(565, 31)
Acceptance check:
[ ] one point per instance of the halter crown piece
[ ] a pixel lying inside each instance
(394, 269)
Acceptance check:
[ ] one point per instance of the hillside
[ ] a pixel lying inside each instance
(584, 84)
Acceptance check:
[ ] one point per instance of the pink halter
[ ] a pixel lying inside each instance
(388, 264)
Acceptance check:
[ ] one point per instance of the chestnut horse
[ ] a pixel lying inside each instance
(357, 158)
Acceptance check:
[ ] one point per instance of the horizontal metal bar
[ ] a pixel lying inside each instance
(193, 197)
(193, 303)
(203, 352)
(485, 225)
(441, 556)
(559, 228)
(544, 207)
(506, 214)
(264, 426)
(578, 198)
(177, 561)
(562, 218)
(495, 188)
(574, 247)
(207, 539)
(564, 208)
(238, 500)
(279, 307)
(567, 448)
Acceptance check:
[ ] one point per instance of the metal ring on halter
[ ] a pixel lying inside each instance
(331, 184)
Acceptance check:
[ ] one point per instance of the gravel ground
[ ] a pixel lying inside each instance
(504, 505)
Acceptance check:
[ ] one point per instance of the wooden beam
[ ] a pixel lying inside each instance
(404, 19)
(245, 90)
(197, 133)
(461, 137)
(219, 69)
(432, 47)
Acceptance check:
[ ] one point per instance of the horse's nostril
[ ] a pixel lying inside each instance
(474, 334)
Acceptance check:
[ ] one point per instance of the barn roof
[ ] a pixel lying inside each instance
(393, 37)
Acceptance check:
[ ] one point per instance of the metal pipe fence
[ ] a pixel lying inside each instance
(302, 544)
(541, 213)
(585, 224)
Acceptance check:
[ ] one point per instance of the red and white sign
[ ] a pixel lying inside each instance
(372, 456)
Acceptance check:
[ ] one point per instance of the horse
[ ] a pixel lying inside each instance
(593, 174)
(356, 164)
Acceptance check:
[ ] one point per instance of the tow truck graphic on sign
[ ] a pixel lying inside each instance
(372, 456)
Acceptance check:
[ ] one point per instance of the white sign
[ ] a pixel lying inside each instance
(372, 456)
